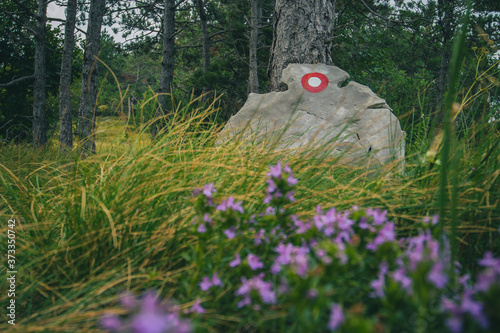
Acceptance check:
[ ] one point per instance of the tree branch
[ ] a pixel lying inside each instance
(179, 3)
(18, 21)
(24, 78)
(382, 16)
(56, 19)
(25, 8)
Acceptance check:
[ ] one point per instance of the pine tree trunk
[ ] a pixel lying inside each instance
(302, 34)
(446, 9)
(167, 64)
(39, 88)
(205, 41)
(253, 78)
(204, 35)
(88, 96)
(66, 134)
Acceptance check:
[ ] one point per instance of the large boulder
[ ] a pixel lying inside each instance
(320, 110)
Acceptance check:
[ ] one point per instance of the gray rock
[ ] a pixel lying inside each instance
(320, 112)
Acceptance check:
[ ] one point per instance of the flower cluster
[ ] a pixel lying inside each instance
(256, 283)
(209, 282)
(272, 259)
(293, 256)
(280, 185)
(467, 303)
(146, 315)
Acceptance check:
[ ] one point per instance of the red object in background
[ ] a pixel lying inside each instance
(314, 82)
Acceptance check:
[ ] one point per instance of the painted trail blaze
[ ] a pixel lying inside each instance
(314, 82)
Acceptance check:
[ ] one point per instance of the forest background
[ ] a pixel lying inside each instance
(400, 49)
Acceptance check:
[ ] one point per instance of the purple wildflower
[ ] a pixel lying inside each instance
(284, 252)
(216, 281)
(259, 236)
(254, 262)
(245, 301)
(209, 190)
(230, 233)
(437, 277)
(150, 302)
(153, 317)
(379, 217)
(271, 185)
(275, 268)
(433, 221)
(399, 275)
(111, 323)
(275, 171)
(385, 234)
(336, 317)
(474, 308)
(420, 247)
(229, 203)
(457, 311)
(128, 300)
(454, 324)
(197, 307)
(312, 293)
(270, 211)
(255, 283)
(321, 253)
(490, 261)
(150, 322)
(379, 284)
(464, 280)
(291, 180)
(363, 224)
(236, 261)
(207, 218)
(289, 196)
(206, 283)
(485, 280)
(344, 222)
(201, 228)
(448, 305)
(291, 255)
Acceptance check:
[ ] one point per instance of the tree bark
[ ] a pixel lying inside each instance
(253, 78)
(66, 134)
(302, 34)
(88, 96)
(446, 9)
(167, 64)
(39, 88)
(205, 42)
(204, 35)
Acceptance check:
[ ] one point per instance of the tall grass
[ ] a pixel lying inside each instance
(89, 228)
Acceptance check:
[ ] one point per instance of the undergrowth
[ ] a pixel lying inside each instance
(90, 228)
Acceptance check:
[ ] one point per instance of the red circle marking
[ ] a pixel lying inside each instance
(322, 86)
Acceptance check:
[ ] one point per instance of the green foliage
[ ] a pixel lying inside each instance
(122, 219)
(399, 58)
(17, 53)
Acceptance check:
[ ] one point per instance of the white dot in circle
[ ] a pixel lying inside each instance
(314, 82)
